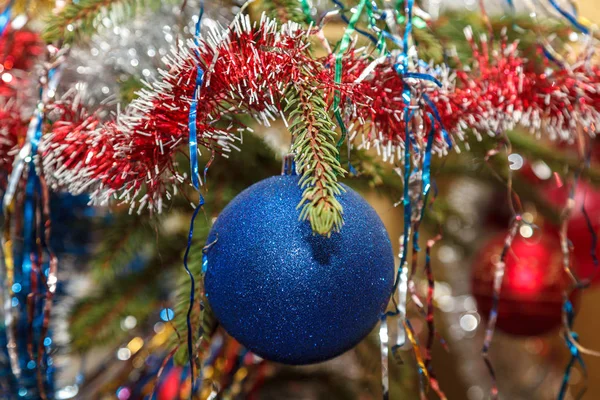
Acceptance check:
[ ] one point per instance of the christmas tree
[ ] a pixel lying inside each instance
(186, 190)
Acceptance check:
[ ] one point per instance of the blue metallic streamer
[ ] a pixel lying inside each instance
(347, 20)
(193, 115)
(426, 177)
(570, 17)
(31, 365)
(438, 118)
(406, 198)
(27, 329)
(195, 172)
(5, 17)
(192, 291)
(511, 5)
(575, 354)
(192, 124)
(391, 37)
(208, 164)
(406, 95)
(419, 75)
(550, 57)
(408, 27)
(427, 164)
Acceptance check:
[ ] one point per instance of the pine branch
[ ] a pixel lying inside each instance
(96, 320)
(283, 10)
(203, 321)
(124, 238)
(80, 20)
(430, 47)
(526, 144)
(449, 29)
(129, 88)
(316, 160)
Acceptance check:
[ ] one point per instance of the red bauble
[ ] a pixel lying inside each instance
(170, 385)
(578, 231)
(531, 295)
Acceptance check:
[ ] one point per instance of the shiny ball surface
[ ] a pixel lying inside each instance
(286, 294)
(580, 235)
(531, 295)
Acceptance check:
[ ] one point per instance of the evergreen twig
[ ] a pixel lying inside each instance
(316, 159)
(96, 319)
(81, 19)
(123, 240)
(203, 321)
(283, 10)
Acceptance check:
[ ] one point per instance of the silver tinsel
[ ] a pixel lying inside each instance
(134, 50)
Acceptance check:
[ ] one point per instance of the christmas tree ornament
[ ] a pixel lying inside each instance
(531, 296)
(170, 385)
(286, 294)
(581, 228)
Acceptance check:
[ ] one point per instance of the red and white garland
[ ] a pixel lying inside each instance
(248, 70)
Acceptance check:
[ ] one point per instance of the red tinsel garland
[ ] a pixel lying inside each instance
(19, 50)
(248, 71)
(13, 130)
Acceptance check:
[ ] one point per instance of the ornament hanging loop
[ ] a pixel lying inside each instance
(288, 164)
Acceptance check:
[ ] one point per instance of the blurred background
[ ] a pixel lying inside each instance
(119, 320)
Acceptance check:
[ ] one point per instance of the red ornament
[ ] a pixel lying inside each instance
(531, 295)
(170, 387)
(578, 231)
(19, 51)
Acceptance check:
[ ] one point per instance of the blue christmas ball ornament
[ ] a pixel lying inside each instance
(286, 294)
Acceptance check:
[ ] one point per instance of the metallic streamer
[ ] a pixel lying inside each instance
(571, 337)
(491, 324)
(306, 11)
(423, 373)
(195, 173)
(193, 136)
(426, 178)
(346, 20)
(26, 319)
(162, 368)
(384, 343)
(433, 382)
(192, 122)
(402, 272)
(570, 17)
(343, 47)
(568, 317)
(190, 334)
(5, 17)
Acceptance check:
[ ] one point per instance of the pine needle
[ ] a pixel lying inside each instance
(80, 20)
(316, 160)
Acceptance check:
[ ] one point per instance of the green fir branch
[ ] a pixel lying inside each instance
(202, 319)
(430, 47)
(95, 320)
(124, 239)
(80, 20)
(316, 159)
(449, 29)
(129, 89)
(283, 10)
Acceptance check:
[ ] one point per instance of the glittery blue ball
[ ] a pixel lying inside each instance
(286, 294)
